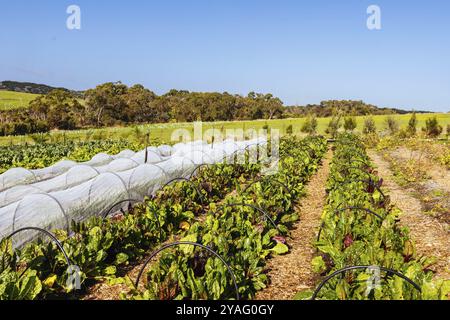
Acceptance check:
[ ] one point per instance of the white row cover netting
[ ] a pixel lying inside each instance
(75, 176)
(21, 176)
(85, 191)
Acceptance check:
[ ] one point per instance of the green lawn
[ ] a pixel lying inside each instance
(15, 100)
(163, 132)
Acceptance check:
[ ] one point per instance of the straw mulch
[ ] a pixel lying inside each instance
(292, 272)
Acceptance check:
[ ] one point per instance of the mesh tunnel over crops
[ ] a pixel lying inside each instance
(78, 191)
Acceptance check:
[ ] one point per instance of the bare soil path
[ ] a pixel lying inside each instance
(432, 238)
(438, 173)
(292, 273)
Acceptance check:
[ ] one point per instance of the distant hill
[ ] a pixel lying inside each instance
(29, 87)
(344, 107)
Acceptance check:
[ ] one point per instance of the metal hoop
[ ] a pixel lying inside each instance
(349, 208)
(271, 179)
(221, 207)
(170, 245)
(47, 233)
(198, 167)
(135, 201)
(387, 270)
(188, 181)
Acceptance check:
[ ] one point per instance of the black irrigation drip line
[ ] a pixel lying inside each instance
(48, 234)
(341, 271)
(199, 167)
(188, 181)
(357, 209)
(271, 179)
(264, 213)
(179, 243)
(116, 204)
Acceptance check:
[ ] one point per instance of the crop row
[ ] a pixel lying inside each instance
(102, 249)
(242, 237)
(43, 155)
(99, 246)
(363, 252)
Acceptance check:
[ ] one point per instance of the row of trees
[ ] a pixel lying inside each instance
(113, 104)
(432, 128)
(328, 108)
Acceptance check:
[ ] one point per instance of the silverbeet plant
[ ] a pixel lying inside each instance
(103, 249)
(352, 236)
(242, 236)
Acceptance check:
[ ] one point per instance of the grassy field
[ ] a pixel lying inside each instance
(163, 132)
(15, 100)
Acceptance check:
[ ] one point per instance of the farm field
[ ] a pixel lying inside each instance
(15, 100)
(162, 133)
(330, 218)
(227, 159)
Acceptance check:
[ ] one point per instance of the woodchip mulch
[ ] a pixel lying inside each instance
(292, 272)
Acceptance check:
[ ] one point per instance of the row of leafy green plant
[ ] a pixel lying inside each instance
(242, 236)
(100, 246)
(103, 249)
(360, 228)
(37, 156)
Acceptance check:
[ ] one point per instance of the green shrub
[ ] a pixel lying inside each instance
(432, 128)
(369, 126)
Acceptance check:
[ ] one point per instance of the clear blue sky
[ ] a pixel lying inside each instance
(301, 51)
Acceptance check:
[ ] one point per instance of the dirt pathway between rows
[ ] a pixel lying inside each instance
(437, 173)
(292, 273)
(431, 237)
